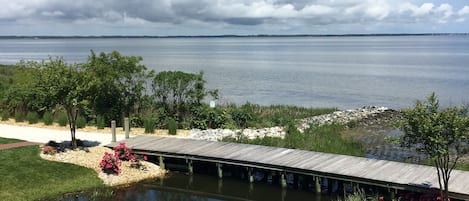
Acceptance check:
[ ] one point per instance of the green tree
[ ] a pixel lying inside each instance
(441, 134)
(68, 87)
(177, 91)
(117, 83)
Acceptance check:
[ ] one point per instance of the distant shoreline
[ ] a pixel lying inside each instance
(231, 36)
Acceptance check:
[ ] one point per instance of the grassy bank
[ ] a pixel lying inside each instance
(25, 176)
(8, 140)
(325, 138)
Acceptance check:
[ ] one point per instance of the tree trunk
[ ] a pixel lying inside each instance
(72, 123)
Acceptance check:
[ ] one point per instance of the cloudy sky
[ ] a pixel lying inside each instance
(214, 17)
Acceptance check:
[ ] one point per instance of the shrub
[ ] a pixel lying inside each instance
(149, 125)
(172, 126)
(47, 118)
(122, 152)
(32, 117)
(19, 117)
(81, 122)
(62, 119)
(5, 116)
(110, 164)
(100, 122)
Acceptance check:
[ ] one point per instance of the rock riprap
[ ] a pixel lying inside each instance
(218, 134)
(364, 116)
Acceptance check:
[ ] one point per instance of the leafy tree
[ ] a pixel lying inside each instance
(68, 87)
(117, 84)
(177, 91)
(441, 134)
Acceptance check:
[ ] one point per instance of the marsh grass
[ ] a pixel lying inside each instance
(275, 115)
(325, 138)
(25, 176)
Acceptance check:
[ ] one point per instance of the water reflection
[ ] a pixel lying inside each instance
(181, 187)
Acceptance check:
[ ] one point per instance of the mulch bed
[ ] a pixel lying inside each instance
(17, 144)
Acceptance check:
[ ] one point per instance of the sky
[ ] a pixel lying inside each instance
(240, 17)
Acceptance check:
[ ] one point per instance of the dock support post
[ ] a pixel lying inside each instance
(161, 162)
(190, 168)
(391, 193)
(113, 130)
(220, 186)
(283, 180)
(219, 170)
(126, 127)
(250, 176)
(318, 184)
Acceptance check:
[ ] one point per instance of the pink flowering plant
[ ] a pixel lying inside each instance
(123, 152)
(110, 163)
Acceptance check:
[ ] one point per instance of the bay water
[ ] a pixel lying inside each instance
(343, 72)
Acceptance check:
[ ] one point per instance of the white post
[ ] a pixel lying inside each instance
(126, 127)
(113, 130)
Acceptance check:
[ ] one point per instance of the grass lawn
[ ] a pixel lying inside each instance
(26, 176)
(8, 140)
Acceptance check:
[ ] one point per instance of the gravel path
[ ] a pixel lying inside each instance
(44, 135)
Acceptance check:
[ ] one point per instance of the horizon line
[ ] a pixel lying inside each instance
(226, 35)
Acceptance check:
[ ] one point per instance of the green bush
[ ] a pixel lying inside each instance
(100, 122)
(172, 126)
(5, 116)
(81, 122)
(149, 125)
(48, 118)
(62, 119)
(19, 116)
(32, 117)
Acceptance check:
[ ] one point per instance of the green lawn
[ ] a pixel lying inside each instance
(8, 140)
(25, 176)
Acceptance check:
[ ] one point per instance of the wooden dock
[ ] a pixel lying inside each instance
(388, 174)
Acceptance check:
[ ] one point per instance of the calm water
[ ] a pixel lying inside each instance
(344, 72)
(180, 187)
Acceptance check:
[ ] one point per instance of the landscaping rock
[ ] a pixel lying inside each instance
(369, 115)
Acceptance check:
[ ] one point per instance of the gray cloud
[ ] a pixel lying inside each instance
(286, 14)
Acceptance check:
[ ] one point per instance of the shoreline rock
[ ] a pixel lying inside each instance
(368, 115)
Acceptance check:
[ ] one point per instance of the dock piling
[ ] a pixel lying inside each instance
(220, 170)
(126, 127)
(283, 180)
(113, 130)
(190, 168)
(250, 176)
(318, 184)
(161, 160)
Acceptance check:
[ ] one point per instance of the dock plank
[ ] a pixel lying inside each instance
(361, 169)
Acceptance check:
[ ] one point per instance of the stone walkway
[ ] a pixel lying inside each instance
(17, 144)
